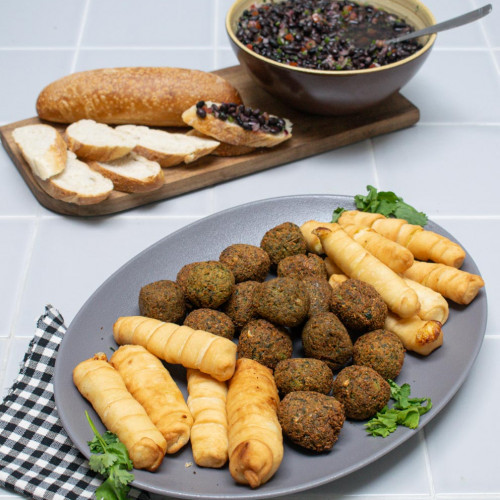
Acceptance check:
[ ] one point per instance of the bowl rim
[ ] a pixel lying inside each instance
(427, 46)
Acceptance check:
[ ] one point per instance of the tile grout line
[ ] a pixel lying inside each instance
(488, 43)
(17, 307)
(427, 460)
(83, 21)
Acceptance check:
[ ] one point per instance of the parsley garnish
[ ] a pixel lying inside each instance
(405, 411)
(110, 459)
(386, 203)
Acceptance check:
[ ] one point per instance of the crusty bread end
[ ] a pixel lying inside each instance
(43, 148)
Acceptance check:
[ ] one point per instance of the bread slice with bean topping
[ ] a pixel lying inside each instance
(238, 125)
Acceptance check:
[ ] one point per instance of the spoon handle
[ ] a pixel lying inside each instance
(474, 15)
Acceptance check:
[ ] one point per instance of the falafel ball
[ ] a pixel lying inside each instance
(301, 266)
(247, 262)
(320, 294)
(283, 240)
(162, 300)
(381, 350)
(362, 391)
(359, 306)
(207, 284)
(283, 301)
(212, 321)
(324, 337)
(264, 342)
(311, 420)
(240, 307)
(303, 374)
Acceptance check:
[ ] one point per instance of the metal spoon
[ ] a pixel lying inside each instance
(445, 25)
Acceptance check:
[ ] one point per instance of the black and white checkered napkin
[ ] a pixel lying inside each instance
(37, 458)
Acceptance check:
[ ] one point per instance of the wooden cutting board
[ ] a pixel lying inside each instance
(312, 135)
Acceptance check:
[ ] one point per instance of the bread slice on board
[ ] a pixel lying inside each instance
(232, 133)
(78, 183)
(224, 149)
(97, 141)
(165, 148)
(43, 148)
(154, 96)
(131, 173)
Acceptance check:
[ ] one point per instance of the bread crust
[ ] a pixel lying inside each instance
(224, 131)
(224, 149)
(154, 96)
(90, 152)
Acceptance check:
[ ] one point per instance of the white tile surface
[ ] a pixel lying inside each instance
(17, 238)
(447, 166)
(148, 23)
(463, 455)
(438, 163)
(201, 58)
(29, 71)
(25, 23)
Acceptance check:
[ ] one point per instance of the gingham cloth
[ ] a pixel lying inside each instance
(37, 458)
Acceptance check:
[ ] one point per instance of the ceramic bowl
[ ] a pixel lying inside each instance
(334, 92)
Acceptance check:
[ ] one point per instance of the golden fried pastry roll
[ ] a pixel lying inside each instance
(255, 437)
(207, 402)
(433, 306)
(417, 335)
(392, 254)
(422, 243)
(331, 267)
(150, 383)
(120, 413)
(176, 344)
(459, 286)
(312, 241)
(356, 262)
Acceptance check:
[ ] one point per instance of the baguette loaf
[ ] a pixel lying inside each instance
(154, 96)
(235, 125)
(131, 173)
(78, 184)
(43, 148)
(97, 141)
(165, 148)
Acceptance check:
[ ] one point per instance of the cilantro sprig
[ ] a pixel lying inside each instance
(386, 203)
(110, 459)
(405, 411)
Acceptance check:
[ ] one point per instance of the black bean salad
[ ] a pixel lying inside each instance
(324, 34)
(244, 116)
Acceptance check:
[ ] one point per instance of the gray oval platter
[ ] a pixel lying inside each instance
(437, 376)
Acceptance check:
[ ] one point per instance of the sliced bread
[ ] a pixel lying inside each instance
(237, 124)
(165, 148)
(224, 149)
(97, 141)
(131, 173)
(43, 148)
(78, 183)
